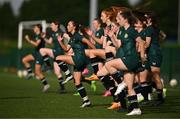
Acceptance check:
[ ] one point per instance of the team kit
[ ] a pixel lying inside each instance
(123, 50)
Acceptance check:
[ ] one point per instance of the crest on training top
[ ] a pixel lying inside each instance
(126, 35)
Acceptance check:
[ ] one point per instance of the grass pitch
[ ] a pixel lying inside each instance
(20, 98)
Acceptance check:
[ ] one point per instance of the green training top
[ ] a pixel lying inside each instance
(127, 38)
(41, 44)
(76, 43)
(154, 47)
(99, 33)
(54, 36)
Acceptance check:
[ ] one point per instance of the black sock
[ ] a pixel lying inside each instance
(60, 83)
(119, 98)
(29, 70)
(65, 69)
(144, 90)
(137, 88)
(46, 60)
(94, 63)
(101, 78)
(117, 76)
(149, 88)
(109, 56)
(160, 94)
(122, 99)
(43, 80)
(133, 102)
(107, 82)
(153, 84)
(113, 90)
(82, 92)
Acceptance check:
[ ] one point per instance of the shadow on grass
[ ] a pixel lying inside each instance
(12, 98)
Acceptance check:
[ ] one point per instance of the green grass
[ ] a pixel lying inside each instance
(21, 98)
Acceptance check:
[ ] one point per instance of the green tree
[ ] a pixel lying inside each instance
(50, 10)
(7, 22)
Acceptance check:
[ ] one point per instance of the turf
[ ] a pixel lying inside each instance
(21, 98)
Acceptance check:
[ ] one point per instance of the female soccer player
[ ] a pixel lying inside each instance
(129, 62)
(79, 60)
(53, 53)
(39, 43)
(143, 88)
(154, 54)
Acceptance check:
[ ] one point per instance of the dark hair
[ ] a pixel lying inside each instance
(139, 16)
(98, 20)
(39, 26)
(83, 29)
(56, 23)
(153, 17)
(75, 24)
(128, 15)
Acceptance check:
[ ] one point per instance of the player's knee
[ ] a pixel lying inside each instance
(155, 71)
(42, 51)
(107, 65)
(24, 60)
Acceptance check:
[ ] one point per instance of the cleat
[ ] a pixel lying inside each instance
(150, 97)
(164, 92)
(67, 79)
(85, 71)
(93, 85)
(135, 111)
(29, 76)
(93, 77)
(107, 93)
(140, 98)
(76, 94)
(120, 87)
(46, 87)
(85, 104)
(114, 106)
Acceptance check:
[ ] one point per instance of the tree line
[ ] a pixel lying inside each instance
(64, 10)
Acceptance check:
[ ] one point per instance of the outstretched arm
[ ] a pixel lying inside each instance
(34, 43)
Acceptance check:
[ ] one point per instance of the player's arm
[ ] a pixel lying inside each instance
(148, 42)
(34, 43)
(64, 46)
(91, 34)
(48, 41)
(116, 42)
(141, 48)
(86, 41)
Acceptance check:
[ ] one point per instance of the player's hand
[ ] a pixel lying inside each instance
(106, 31)
(89, 32)
(66, 36)
(59, 38)
(143, 59)
(27, 38)
(43, 35)
(110, 34)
